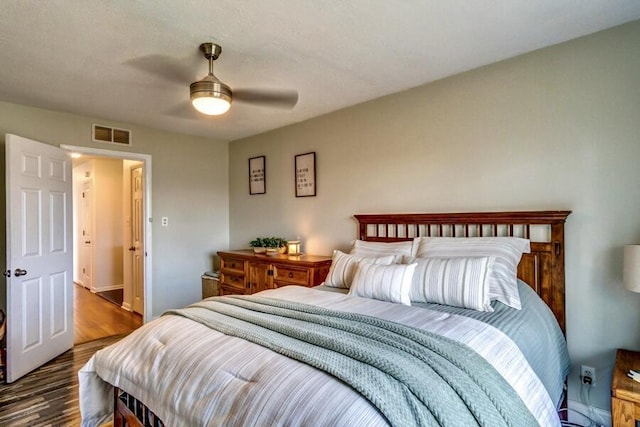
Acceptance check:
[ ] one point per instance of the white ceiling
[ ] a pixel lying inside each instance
(109, 59)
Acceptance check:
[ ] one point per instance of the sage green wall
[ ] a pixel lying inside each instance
(189, 185)
(557, 128)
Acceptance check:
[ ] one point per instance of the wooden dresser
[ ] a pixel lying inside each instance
(244, 272)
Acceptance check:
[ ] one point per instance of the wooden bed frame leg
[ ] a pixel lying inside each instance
(117, 418)
(122, 415)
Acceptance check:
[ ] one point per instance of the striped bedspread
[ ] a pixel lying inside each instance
(190, 375)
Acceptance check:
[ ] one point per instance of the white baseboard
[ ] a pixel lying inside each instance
(127, 306)
(106, 288)
(598, 415)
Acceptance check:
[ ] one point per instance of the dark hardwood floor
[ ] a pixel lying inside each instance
(48, 396)
(95, 317)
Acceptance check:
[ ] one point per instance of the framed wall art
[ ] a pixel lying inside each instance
(305, 174)
(257, 175)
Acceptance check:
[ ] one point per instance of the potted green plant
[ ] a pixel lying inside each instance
(269, 245)
(258, 245)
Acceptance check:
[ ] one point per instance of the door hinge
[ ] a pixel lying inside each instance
(83, 194)
(6, 273)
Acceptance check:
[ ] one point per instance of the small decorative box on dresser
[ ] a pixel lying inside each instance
(625, 392)
(244, 272)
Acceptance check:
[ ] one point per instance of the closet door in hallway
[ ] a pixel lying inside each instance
(137, 239)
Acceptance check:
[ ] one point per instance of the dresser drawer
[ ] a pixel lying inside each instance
(232, 265)
(232, 283)
(291, 275)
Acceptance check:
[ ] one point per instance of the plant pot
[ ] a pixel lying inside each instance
(259, 250)
(276, 251)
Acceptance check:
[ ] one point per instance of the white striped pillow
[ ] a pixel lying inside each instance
(378, 249)
(459, 282)
(503, 281)
(383, 282)
(343, 267)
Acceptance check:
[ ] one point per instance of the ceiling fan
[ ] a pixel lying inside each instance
(212, 97)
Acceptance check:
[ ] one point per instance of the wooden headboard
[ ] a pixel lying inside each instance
(542, 269)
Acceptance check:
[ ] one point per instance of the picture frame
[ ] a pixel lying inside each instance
(257, 175)
(305, 174)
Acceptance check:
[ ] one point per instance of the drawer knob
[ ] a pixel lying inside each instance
(290, 275)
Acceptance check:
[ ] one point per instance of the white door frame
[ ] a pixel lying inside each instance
(146, 172)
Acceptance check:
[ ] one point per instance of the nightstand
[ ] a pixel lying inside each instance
(625, 392)
(210, 286)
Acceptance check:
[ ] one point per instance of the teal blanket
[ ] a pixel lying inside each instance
(412, 376)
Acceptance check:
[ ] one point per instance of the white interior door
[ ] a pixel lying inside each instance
(39, 254)
(137, 239)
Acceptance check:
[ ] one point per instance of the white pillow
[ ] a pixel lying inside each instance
(459, 282)
(378, 249)
(383, 282)
(343, 267)
(503, 281)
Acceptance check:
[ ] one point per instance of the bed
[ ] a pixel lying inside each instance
(327, 355)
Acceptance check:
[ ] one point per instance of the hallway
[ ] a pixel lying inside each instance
(95, 317)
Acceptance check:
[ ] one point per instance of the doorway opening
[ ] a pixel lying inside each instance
(112, 241)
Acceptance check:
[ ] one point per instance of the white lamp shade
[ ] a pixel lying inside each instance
(210, 105)
(631, 269)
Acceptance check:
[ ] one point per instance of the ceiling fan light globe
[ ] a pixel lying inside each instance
(210, 96)
(211, 105)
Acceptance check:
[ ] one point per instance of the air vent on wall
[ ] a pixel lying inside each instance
(111, 135)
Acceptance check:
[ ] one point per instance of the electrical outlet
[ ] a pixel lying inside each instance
(164, 221)
(588, 375)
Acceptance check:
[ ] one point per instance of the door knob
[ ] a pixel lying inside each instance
(19, 272)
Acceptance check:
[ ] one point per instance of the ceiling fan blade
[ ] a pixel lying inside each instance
(184, 110)
(271, 98)
(169, 68)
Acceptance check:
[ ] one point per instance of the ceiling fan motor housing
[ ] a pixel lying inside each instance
(210, 87)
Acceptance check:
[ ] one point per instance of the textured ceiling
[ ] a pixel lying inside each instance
(133, 61)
